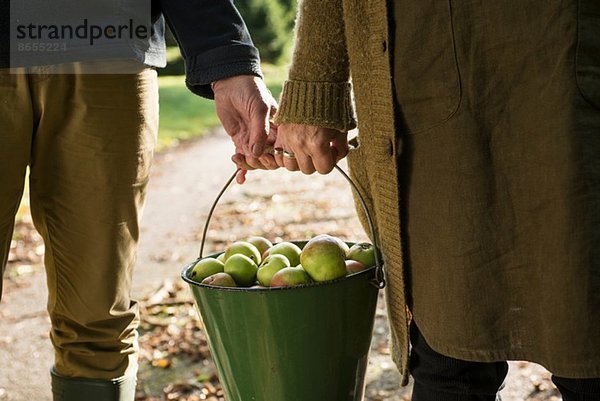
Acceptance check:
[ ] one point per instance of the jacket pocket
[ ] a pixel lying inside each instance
(587, 62)
(427, 81)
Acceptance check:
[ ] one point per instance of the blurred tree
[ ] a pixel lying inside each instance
(290, 12)
(270, 23)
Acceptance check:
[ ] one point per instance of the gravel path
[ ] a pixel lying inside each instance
(184, 183)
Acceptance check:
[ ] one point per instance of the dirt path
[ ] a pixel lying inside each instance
(184, 183)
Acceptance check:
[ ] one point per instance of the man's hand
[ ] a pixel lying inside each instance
(245, 107)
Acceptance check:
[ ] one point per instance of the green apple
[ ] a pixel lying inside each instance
(242, 269)
(354, 266)
(261, 243)
(220, 280)
(323, 259)
(343, 245)
(206, 267)
(362, 252)
(221, 257)
(271, 265)
(290, 276)
(243, 248)
(290, 250)
(265, 254)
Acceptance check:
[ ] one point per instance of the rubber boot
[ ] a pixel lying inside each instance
(81, 389)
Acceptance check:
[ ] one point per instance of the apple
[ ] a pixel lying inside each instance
(343, 245)
(241, 268)
(271, 265)
(265, 254)
(362, 252)
(261, 243)
(290, 250)
(243, 248)
(290, 276)
(354, 266)
(220, 280)
(206, 267)
(323, 259)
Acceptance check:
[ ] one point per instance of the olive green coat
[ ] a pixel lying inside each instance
(485, 183)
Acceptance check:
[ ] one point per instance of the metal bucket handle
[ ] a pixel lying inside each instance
(378, 281)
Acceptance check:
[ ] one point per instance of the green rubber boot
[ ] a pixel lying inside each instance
(80, 389)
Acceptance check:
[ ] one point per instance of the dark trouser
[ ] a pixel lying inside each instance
(441, 378)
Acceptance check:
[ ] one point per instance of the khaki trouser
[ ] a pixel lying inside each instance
(88, 140)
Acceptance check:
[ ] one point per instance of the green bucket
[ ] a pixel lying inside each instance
(305, 343)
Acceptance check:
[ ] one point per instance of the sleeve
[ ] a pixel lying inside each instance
(318, 91)
(213, 40)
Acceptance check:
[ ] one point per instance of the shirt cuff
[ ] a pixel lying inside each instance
(322, 104)
(220, 63)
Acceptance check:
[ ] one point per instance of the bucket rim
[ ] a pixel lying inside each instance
(191, 282)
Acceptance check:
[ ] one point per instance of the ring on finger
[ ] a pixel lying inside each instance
(277, 151)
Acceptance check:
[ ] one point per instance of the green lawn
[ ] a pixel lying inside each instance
(184, 115)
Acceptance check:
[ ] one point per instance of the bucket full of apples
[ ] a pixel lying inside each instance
(290, 321)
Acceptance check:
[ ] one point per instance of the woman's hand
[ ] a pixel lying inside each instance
(309, 148)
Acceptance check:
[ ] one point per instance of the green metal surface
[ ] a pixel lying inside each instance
(290, 344)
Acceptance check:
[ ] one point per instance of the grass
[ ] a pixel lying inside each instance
(184, 115)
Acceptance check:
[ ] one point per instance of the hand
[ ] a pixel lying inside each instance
(314, 149)
(245, 107)
(246, 163)
(265, 162)
(311, 148)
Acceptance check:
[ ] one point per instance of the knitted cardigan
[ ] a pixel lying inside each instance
(318, 93)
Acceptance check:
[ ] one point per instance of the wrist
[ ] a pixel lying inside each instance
(235, 80)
